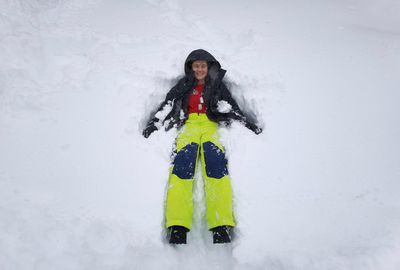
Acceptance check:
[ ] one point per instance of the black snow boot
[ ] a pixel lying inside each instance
(177, 234)
(222, 234)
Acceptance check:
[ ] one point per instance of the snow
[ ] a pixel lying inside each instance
(80, 188)
(165, 110)
(223, 106)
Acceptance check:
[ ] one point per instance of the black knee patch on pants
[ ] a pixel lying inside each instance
(185, 161)
(216, 162)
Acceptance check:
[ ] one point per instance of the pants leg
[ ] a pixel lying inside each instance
(179, 205)
(218, 188)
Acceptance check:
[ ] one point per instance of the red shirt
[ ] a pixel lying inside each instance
(196, 101)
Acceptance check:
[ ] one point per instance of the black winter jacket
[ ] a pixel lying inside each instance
(214, 92)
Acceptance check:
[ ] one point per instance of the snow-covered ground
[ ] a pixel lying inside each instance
(80, 188)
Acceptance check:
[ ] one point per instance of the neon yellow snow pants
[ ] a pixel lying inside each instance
(199, 137)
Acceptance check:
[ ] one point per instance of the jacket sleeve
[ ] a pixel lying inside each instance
(173, 94)
(236, 113)
(169, 99)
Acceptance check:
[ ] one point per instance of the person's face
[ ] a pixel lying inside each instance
(200, 69)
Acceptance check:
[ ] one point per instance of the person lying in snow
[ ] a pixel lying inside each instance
(196, 104)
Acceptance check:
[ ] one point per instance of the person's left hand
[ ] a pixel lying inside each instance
(253, 127)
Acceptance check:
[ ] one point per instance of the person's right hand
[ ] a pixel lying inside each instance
(148, 130)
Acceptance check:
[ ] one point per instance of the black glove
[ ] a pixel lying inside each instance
(253, 127)
(148, 130)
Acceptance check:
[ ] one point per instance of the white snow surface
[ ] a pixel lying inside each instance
(223, 106)
(80, 188)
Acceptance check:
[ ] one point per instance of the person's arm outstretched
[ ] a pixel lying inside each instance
(237, 113)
